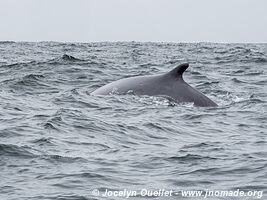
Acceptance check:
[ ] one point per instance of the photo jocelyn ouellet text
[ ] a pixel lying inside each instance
(183, 193)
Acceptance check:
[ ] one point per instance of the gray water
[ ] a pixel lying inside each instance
(59, 142)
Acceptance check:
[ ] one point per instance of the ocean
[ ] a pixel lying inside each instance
(59, 142)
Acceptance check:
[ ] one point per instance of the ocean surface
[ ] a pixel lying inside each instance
(59, 142)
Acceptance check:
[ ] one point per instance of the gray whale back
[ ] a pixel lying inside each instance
(170, 85)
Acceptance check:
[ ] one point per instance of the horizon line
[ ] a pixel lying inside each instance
(127, 41)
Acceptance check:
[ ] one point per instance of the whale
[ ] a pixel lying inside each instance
(170, 85)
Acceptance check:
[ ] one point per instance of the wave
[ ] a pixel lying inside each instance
(14, 150)
(69, 58)
(30, 81)
(43, 142)
(20, 65)
(33, 76)
(62, 159)
(190, 157)
(7, 42)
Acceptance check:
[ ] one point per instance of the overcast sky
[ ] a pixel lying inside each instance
(134, 20)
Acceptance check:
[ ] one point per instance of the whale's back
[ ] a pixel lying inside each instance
(169, 85)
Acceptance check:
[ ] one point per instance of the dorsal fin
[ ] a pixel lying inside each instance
(179, 70)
